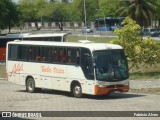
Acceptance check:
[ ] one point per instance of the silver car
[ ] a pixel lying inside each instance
(150, 31)
(87, 29)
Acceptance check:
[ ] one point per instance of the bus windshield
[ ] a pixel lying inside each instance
(111, 65)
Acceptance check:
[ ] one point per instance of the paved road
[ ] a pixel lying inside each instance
(15, 98)
(139, 84)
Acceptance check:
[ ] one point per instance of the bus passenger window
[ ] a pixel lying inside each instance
(12, 52)
(72, 55)
(23, 53)
(55, 54)
(30, 53)
(34, 53)
(45, 54)
(62, 55)
(78, 56)
(50, 54)
(87, 64)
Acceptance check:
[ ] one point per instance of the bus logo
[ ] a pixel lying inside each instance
(16, 69)
(47, 69)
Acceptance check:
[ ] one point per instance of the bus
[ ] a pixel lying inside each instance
(108, 23)
(79, 68)
(59, 37)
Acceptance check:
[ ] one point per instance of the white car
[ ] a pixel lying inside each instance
(87, 29)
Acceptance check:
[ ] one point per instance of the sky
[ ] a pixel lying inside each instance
(15, 1)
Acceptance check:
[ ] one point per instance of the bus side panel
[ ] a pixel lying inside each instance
(3, 54)
(13, 70)
(76, 73)
(52, 76)
(31, 69)
(46, 74)
(18, 72)
(90, 87)
(59, 77)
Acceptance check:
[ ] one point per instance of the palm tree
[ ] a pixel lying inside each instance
(139, 10)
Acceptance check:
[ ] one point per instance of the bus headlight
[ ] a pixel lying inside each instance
(126, 84)
(102, 86)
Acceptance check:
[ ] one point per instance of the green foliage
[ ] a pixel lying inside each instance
(140, 10)
(59, 12)
(32, 10)
(91, 7)
(138, 50)
(9, 14)
(157, 14)
(107, 8)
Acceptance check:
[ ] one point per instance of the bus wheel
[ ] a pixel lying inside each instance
(30, 86)
(77, 91)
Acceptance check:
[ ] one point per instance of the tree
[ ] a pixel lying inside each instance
(107, 8)
(138, 51)
(2, 14)
(9, 14)
(157, 14)
(33, 11)
(91, 7)
(59, 14)
(66, 1)
(139, 10)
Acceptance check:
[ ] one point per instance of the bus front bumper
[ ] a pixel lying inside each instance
(100, 90)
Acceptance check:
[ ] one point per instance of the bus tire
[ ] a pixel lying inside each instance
(30, 85)
(77, 90)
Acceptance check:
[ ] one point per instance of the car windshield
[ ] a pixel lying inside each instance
(111, 65)
(152, 30)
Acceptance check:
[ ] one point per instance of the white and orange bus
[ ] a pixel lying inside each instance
(58, 37)
(79, 68)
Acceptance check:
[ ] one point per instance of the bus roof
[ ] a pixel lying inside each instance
(90, 45)
(32, 35)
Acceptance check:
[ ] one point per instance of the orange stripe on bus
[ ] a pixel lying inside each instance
(102, 91)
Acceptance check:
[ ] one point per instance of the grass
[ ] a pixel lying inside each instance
(75, 38)
(2, 71)
(152, 72)
(145, 75)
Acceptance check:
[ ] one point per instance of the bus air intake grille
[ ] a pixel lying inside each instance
(114, 86)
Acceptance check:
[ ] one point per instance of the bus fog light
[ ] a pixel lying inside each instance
(101, 86)
(126, 84)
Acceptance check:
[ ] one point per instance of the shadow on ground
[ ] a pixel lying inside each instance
(99, 97)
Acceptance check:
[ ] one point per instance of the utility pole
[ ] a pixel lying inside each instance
(105, 24)
(85, 17)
